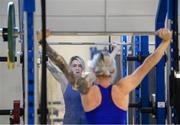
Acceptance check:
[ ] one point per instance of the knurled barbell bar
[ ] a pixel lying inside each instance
(90, 43)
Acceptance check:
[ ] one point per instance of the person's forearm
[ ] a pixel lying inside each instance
(81, 84)
(59, 61)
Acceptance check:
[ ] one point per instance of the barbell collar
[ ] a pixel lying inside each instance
(5, 59)
(16, 32)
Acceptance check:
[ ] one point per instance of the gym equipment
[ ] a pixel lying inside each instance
(164, 110)
(15, 113)
(173, 65)
(139, 58)
(9, 34)
(86, 43)
(43, 104)
(144, 106)
(151, 109)
(119, 33)
(29, 64)
(90, 43)
(11, 25)
(5, 59)
(4, 33)
(137, 50)
(124, 54)
(160, 67)
(145, 82)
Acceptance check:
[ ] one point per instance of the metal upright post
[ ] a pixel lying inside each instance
(137, 50)
(29, 8)
(144, 85)
(173, 62)
(160, 67)
(124, 56)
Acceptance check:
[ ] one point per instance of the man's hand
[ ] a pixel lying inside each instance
(165, 34)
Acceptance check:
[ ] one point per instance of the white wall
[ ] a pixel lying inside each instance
(94, 15)
(101, 15)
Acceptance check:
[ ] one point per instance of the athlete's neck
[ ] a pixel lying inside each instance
(104, 81)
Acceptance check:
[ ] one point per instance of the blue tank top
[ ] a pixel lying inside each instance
(107, 112)
(74, 113)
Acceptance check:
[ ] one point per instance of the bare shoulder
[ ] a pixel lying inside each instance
(125, 85)
(92, 90)
(115, 89)
(94, 93)
(92, 99)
